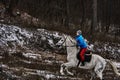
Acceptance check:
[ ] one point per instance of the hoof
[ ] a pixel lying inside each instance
(62, 73)
(71, 74)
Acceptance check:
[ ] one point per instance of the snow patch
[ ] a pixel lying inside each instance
(117, 64)
(31, 55)
(118, 50)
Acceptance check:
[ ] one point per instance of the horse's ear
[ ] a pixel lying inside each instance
(64, 35)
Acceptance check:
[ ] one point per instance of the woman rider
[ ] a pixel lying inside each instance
(82, 44)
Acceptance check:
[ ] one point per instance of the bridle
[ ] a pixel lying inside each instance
(63, 42)
(66, 44)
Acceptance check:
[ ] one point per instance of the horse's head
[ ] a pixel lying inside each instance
(61, 42)
(66, 41)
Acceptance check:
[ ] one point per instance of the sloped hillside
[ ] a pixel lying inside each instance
(31, 54)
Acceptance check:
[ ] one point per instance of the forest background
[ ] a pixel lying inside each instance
(98, 19)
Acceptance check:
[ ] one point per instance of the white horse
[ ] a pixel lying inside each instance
(97, 63)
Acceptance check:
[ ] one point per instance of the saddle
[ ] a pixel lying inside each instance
(87, 56)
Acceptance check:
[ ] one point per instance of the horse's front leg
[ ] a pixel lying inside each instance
(70, 73)
(66, 66)
(62, 69)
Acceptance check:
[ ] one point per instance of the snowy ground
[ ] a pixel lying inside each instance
(21, 67)
(32, 55)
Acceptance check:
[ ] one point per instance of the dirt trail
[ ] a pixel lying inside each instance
(33, 67)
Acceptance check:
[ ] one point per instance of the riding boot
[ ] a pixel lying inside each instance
(78, 63)
(83, 63)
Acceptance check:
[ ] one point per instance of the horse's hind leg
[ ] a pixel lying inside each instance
(92, 75)
(99, 69)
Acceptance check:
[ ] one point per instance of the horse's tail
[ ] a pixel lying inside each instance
(113, 66)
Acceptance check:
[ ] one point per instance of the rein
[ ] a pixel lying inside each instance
(71, 42)
(64, 41)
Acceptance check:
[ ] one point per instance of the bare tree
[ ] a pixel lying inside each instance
(10, 5)
(108, 15)
(94, 20)
(67, 14)
(83, 12)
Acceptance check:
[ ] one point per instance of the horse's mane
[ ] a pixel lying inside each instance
(72, 39)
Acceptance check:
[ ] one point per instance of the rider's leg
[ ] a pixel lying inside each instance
(82, 52)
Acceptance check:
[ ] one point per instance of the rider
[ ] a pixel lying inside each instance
(82, 44)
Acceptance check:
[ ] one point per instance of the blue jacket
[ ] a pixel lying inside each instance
(81, 41)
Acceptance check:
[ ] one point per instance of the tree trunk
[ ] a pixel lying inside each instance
(94, 21)
(108, 15)
(67, 14)
(83, 12)
(10, 6)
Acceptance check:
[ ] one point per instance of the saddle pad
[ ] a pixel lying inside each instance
(88, 58)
